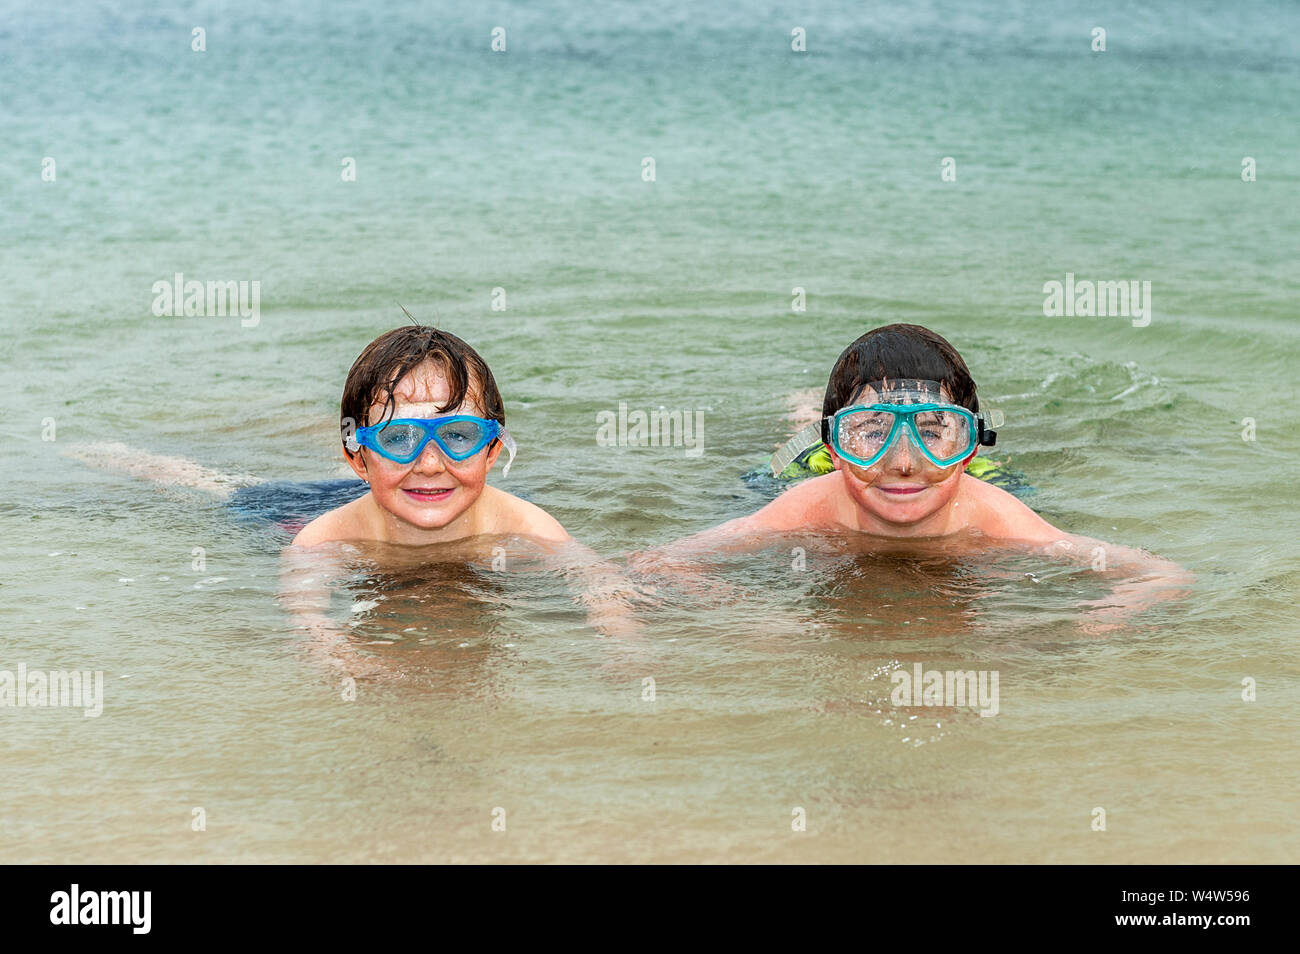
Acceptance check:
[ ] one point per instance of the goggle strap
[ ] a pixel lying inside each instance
(508, 442)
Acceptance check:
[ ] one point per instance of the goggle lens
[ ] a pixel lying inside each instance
(460, 439)
(399, 440)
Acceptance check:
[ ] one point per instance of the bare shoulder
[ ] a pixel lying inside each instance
(512, 515)
(811, 503)
(342, 523)
(999, 514)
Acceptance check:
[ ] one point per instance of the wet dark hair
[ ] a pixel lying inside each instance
(394, 354)
(897, 352)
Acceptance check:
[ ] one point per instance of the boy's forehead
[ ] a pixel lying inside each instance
(423, 385)
(425, 389)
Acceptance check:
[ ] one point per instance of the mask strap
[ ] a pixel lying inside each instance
(988, 437)
(508, 442)
(786, 455)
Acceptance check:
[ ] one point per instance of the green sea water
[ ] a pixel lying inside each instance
(774, 170)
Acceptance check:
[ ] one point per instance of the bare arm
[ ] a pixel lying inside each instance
(306, 578)
(601, 587)
(683, 562)
(1139, 580)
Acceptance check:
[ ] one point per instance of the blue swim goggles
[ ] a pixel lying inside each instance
(944, 433)
(458, 436)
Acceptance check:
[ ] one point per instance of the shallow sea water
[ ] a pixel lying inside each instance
(483, 689)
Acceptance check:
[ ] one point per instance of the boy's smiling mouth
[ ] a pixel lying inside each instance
(428, 494)
(904, 488)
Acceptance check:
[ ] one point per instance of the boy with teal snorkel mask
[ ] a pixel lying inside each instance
(902, 447)
(900, 426)
(905, 427)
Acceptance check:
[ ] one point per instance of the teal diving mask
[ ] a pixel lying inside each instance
(890, 411)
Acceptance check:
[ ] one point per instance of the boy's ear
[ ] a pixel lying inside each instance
(494, 451)
(357, 463)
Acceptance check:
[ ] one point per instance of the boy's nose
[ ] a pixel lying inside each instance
(430, 460)
(899, 458)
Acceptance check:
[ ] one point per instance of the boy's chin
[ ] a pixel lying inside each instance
(431, 514)
(429, 521)
(903, 515)
(902, 510)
